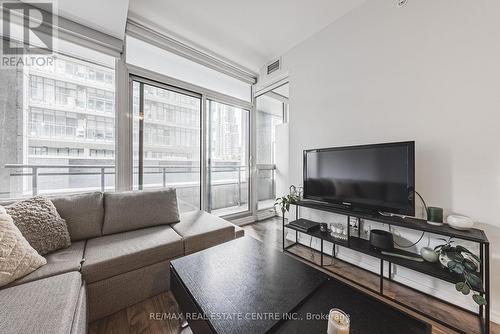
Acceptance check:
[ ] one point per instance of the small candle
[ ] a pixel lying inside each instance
(338, 322)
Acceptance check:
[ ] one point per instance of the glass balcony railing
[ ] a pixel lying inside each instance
(228, 189)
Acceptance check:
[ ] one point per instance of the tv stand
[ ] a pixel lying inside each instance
(357, 243)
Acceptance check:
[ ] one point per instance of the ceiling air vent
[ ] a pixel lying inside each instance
(274, 66)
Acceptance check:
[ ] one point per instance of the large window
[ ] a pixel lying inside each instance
(228, 152)
(58, 127)
(190, 128)
(167, 146)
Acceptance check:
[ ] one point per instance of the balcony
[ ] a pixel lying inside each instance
(228, 190)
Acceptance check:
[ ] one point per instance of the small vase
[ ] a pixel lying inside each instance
(444, 259)
(429, 254)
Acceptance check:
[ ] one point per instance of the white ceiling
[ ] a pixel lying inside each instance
(249, 33)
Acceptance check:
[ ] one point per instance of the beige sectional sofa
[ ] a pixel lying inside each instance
(122, 244)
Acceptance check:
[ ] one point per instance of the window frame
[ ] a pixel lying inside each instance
(152, 78)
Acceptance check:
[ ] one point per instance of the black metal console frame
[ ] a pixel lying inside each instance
(478, 237)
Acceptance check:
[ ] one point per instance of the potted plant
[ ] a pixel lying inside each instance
(461, 261)
(285, 201)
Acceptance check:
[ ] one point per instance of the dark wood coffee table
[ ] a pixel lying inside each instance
(242, 286)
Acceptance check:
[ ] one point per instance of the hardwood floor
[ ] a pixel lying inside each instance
(149, 316)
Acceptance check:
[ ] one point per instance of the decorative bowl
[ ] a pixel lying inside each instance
(459, 222)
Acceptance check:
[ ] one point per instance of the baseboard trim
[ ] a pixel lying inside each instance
(244, 220)
(495, 316)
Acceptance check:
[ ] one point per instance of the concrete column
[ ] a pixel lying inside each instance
(11, 129)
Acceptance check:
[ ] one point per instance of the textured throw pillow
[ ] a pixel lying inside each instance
(17, 257)
(40, 224)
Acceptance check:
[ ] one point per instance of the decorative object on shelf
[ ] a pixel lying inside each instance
(459, 222)
(435, 215)
(338, 231)
(429, 254)
(338, 322)
(381, 239)
(285, 201)
(323, 227)
(355, 225)
(463, 262)
(299, 191)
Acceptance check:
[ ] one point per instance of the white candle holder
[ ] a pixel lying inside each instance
(338, 322)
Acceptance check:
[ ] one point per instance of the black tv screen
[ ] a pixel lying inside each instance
(377, 178)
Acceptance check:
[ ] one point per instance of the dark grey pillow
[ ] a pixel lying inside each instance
(40, 224)
(132, 210)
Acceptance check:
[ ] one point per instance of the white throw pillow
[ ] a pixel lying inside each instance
(17, 257)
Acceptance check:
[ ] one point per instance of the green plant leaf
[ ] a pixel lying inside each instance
(451, 265)
(475, 257)
(474, 281)
(462, 249)
(460, 286)
(446, 248)
(470, 265)
(456, 267)
(466, 290)
(457, 257)
(480, 300)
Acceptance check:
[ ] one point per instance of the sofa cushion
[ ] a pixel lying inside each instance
(132, 210)
(44, 306)
(84, 214)
(60, 262)
(118, 292)
(17, 257)
(116, 254)
(201, 230)
(81, 318)
(40, 224)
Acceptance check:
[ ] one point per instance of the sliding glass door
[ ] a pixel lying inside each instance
(167, 141)
(228, 169)
(195, 143)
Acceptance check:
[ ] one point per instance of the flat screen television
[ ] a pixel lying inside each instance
(372, 178)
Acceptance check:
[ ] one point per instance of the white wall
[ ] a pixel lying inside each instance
(428, 72)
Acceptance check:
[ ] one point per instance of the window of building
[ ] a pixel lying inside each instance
(51, 124)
